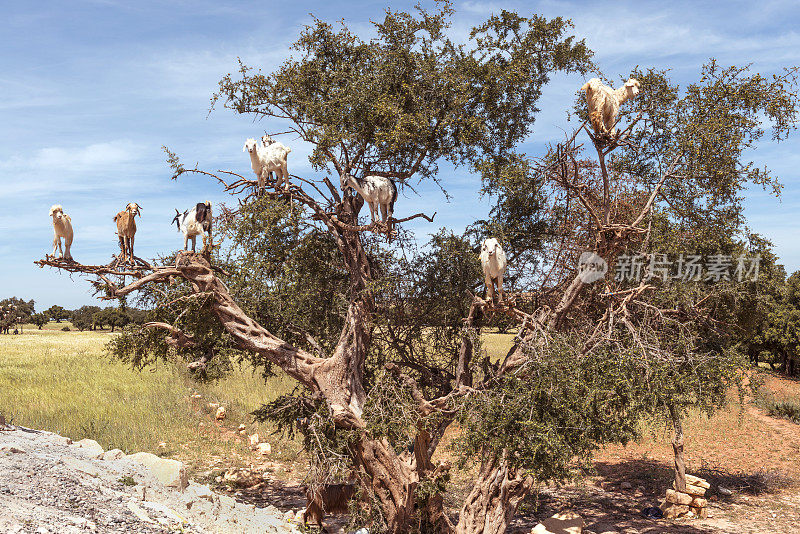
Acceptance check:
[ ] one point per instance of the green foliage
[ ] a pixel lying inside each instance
(710, 127)
(286, 274)
(557, 409)
(83, 317)
(13, 311)
(57, 313)
(40, 319)
(410, 97)
(786, 409)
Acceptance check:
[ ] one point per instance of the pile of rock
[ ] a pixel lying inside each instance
(688, 504)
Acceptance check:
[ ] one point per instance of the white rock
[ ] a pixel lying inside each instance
(169, 472)
(139, 512)
(264, 448)
(93, 449)
(220, 415)
(724, 491)
(168, 512)
(253, 441)
(113, 454)
(626, 485)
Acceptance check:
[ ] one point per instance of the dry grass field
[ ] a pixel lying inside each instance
(65, 383)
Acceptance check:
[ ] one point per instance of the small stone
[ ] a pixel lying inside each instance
(253, 441)
(113, 454)
(93, 449)
(673, 511)
(264, 448)
(676, 497)
(697, 481)
(11, 449)
(212, 406)
(220, 415)
(626, 485)
(697, 491)
(139, 512)
(242, 428)
(197, 396)
(701, 512)
(724, 491)
(169, 472)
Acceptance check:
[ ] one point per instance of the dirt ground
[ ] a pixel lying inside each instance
(741, 449)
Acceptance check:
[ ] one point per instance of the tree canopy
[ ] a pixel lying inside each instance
(383, 335)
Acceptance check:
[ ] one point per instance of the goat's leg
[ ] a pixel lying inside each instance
(122, 247)
(130, 248)
(500, 288)
(194, 242)
(489, 289)
(185, 241)
(373, 210)
(56, 245)
(385, 212)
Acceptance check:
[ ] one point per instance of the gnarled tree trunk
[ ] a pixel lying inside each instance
(491, 504)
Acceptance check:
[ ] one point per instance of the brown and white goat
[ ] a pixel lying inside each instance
(62, 227)
(126, 229)
(604, 102)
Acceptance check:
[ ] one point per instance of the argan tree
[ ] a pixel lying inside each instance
(382, 335)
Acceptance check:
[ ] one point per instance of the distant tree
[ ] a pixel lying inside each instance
(116, 318)
(57, 313)
(40, 319)
(13, 311)
(82, 318)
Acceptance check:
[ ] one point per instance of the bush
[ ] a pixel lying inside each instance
(65, 329)
(786, 409)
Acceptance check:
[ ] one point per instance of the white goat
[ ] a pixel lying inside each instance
(377, 191)
(604, 102)
(194, 222)
(267, 159)
(62, 227)
(126, 229)
(493, 260)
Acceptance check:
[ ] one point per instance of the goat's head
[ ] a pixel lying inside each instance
(178, 218)
(490, 246)
(133, 208)
(632, 87)
(346, 180)
(266, 140)
(250, 146)
(56, 212)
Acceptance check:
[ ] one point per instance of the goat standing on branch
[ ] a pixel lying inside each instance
(126, 229)
(194, 222)
(377, 191)
(266, 158)
(604, 102)
(493, 260)
(62, 226)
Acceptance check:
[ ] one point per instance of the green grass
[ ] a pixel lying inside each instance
(65, 383)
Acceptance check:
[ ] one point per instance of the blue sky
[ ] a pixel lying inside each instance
(90, 90)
